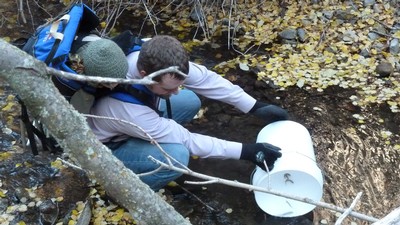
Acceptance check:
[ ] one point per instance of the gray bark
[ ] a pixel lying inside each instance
(29, 79)
(392, 218)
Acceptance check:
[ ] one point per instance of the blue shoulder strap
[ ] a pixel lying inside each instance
(135, 93)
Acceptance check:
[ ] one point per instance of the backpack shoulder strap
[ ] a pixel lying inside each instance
(128, 42)
(128, 93)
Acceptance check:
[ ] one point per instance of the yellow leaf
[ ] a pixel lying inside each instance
(7, 39)
(9, 107)
(117, 216)
(356, 56)
(269, 66)
(397, 34)
(56, 164)
(274, 74)
(2, 194)
(370, 98)
(172, 184)
(103, 24)
(370, 21)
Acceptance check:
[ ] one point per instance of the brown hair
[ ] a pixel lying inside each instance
(161, 52)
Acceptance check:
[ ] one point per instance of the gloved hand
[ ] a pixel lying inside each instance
(270, 113)
(259, 152)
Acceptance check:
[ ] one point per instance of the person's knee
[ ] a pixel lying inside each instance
(180, 153)
(194, 102)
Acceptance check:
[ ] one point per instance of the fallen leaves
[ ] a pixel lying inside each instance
(331, 54)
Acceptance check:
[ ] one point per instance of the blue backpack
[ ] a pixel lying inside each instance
(53, 42)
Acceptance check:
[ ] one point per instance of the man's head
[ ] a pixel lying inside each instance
(103, 58)
(161, 52)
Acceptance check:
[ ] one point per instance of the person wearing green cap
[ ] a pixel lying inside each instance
(132, 146)
(99, 57)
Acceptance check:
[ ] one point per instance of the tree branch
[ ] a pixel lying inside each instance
(28, 78)
(261, 189)
(145, 80)
(346, 213)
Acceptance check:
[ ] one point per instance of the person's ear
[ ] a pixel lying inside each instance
(143, 73)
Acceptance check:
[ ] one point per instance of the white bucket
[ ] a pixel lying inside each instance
(295, 173)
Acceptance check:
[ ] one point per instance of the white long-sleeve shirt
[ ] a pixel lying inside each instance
(144, 120)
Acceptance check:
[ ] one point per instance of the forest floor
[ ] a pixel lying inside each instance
(354, 156)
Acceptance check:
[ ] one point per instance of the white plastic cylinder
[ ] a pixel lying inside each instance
(296, 173)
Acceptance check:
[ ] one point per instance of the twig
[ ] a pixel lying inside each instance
(390, 219)
(229, 24)
(200, 12)
(21, 11)
(30, 13)
(145, 80)
(346, 213)
(69, 164)
(149, 173)
(265, 190)
(385, 25)
(197, 198)
(201, 182)
(149, 15)
(380, 33)
(323, 34)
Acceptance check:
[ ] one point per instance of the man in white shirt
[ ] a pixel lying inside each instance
(133, 147)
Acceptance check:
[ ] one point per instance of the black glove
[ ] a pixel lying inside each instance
(270, 113)
(259, 152)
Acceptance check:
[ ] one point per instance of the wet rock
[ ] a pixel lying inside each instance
(364, 52)
(394, 46)
(197, 14)
(20, 193)
(379, 47)
(289, 41)
(373, 36)
(48, 212)
(327, 14)
(349, 36)
(33, 180)
(301, 34)
(369, 3)
(306, 22)
(384, 69)
(377, 9)
(3, 205)
(288, 34)
(345, 15)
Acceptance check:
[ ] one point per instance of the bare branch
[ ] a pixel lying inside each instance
(265, 190)
(346, 213)
(21, 10)
(391, 219)
(147, 80)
